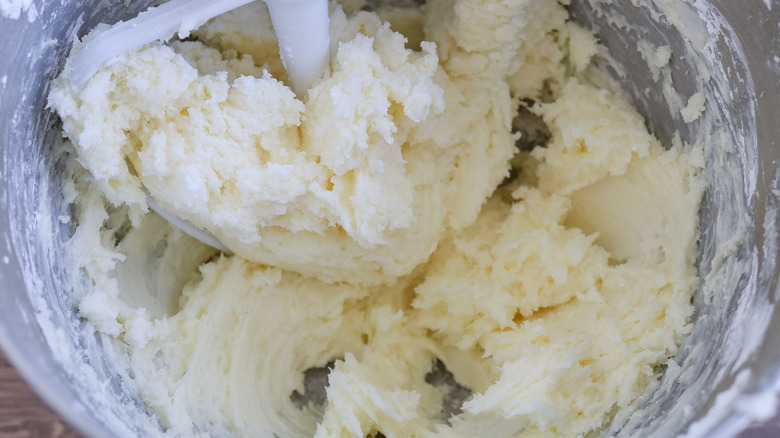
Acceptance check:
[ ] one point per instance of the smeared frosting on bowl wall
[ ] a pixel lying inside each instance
(395, 345)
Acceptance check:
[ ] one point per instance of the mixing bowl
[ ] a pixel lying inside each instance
(725, 375)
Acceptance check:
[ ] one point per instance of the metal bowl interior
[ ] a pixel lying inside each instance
(727, 371)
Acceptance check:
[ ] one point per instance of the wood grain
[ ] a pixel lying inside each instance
(24, 415)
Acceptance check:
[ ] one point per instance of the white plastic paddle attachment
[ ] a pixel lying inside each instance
(302, 28)
(159, 23)
(187, 226)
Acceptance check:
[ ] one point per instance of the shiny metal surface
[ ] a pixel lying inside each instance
(728, 348)
(727, 352)
(39, 330)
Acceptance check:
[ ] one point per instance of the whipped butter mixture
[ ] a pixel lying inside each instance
(387, 231)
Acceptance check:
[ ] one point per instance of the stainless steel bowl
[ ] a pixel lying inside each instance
(727, 372)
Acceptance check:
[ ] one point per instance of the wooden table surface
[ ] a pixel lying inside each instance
(23, 415)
